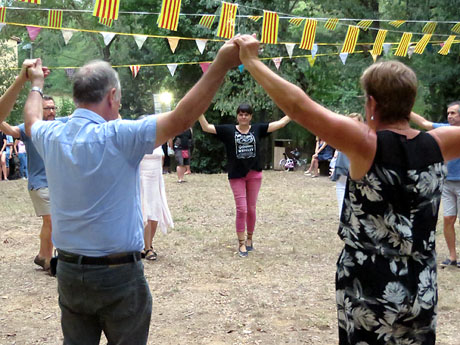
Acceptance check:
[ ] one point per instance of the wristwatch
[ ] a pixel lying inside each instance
(36, 88)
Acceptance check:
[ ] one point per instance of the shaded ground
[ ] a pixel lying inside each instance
(203, 293)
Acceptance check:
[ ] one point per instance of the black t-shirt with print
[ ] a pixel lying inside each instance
(243, 150)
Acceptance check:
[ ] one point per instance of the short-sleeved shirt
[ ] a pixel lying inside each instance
(453, 166)
(183, 141)
(35, 165)
(243, 150)
(93, 176)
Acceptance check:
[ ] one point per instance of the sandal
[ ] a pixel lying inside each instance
(150, 255)
(42, 263)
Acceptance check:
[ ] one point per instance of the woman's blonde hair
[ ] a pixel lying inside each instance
(393, 85)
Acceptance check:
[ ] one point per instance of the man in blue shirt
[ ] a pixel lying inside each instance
(92, 165)
(451, 188)
(37, 183)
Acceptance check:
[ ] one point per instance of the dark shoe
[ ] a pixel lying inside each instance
(448, 262)
(250, 248)
(150, 255)
(242, 254)
(42, 263)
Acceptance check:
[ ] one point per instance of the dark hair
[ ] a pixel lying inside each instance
(394, 87)
(92, 82)
(245, 108)
(48, 98)
(453, 104)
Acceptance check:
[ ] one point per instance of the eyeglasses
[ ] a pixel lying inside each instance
(50, 108)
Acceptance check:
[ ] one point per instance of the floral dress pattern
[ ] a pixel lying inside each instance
(386, 289)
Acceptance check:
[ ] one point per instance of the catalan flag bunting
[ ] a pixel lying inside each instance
(55, 18)
(378, 44)
(429, 28)
(397, 23)
(364, 24)
(32, 1)
(270, 28)
(350, 40)
(331, 23)
(106, 9)
(134, 70)
(207, 21)
(169, 15)
(456, 28)
(421, 45)
(404, 44)
(309, 33)
(447, 44)
(226, 28)
(2, 14)
(106, 21)
(255, 18)
(296, 21)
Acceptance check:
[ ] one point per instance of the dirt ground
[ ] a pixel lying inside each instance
(203, 293)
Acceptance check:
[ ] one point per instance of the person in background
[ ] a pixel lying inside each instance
(451, 188)
(6, 153)
(22, 156)
(323, 152)
(386, 288)
(182, 153)
(242, 144)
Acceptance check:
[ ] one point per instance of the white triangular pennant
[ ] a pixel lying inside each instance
(172, 68)
(140, 39)
(290, 48)
(108, 37)
(201, 44)
(410, 51)
(67, 34)
(386, 48)
(1, 26)
(343, 57)
(314, 50)
(277, 62)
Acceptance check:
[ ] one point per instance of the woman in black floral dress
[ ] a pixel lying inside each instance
(386, 286)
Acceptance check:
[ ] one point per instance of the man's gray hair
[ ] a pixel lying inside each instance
(453, 104)
(92, 82)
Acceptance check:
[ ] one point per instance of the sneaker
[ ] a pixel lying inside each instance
(449, 262)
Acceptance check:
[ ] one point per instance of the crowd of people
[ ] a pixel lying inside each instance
(386, 288)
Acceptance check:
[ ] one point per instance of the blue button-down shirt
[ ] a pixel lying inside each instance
(93, 179)
(35, 165)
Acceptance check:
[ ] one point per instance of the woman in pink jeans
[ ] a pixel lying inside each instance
(242, 142)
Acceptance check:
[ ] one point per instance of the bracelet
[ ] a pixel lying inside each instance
(37, 89)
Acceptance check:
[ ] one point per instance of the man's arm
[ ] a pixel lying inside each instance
(421, 121)
(275, 125)
(205, 126)
(14, 131)
(197, 100)
(33, 109)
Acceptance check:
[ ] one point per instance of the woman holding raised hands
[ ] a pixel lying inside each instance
(386, 289)
(242, 142)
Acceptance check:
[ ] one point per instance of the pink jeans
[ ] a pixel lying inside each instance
(245, 191)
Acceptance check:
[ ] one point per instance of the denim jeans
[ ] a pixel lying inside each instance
(115, 299)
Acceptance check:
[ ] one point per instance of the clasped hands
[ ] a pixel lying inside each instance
(241, 49)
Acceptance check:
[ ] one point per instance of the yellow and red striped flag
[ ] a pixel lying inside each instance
(404, 44)
(207, 20)
(296, 21)
(421, 45)
(350, 39)
(456, 28)
(255, 18)
(31, 1)
(397, 23)
(364, 24)
(429, 27)
(134, 70)
(378, 44)
(55, 18)
(2, 14)
(308, 35)
(106, 21)
(447, 44)
(169, 15)
(106, 9)
(270, 28)
(331, 23)
(226, 28)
